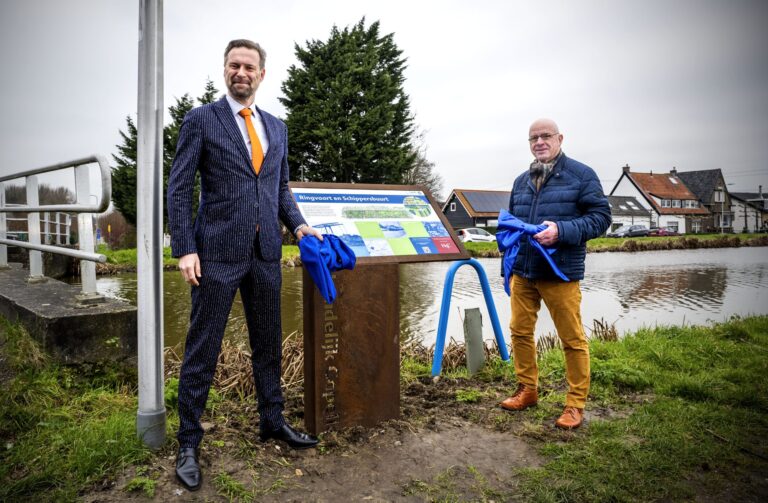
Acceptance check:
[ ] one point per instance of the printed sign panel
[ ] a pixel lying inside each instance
(380, 223)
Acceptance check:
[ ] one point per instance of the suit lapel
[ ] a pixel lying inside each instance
(224, 113)
(273, 134)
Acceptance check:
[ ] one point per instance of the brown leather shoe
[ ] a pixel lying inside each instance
(523, 398)
(571, 418)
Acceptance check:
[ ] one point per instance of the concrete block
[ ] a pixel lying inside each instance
(66, 329)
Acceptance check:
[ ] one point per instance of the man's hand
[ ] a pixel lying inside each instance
(548, 236)
(306, 230)
(189, 265)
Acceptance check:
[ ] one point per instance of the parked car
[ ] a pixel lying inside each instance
(663, 231)
(474, 234)
(629, 231)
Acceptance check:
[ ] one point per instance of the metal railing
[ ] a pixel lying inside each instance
(81, 207)
(56, 227)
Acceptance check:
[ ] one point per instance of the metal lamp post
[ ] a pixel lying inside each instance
(150, 419)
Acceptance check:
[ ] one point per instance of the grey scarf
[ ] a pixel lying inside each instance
(540, 171)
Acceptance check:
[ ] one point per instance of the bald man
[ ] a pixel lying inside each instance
(566, 196)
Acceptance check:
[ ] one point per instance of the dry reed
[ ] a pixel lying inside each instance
(234, 374)
(601, 331)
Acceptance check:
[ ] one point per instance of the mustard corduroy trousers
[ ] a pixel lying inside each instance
(563, 299)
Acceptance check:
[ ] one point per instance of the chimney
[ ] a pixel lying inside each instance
(625, 169)
(651, 172)
(673, 172)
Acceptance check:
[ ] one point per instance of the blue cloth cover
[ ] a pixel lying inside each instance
(321, 258)
(508, 234)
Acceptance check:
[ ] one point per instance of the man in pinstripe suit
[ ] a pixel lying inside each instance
(234, 243)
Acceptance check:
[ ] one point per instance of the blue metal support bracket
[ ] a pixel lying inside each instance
(437, 361)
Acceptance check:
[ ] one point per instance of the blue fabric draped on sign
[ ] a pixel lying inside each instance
(321, 258)
(508, 234)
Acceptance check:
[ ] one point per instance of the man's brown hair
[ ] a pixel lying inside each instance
(242, 42)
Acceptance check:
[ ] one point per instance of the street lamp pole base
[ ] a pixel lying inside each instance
(150, 428)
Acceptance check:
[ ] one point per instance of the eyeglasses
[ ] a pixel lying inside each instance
(545, 137)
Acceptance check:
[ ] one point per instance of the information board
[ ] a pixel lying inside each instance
(380, 223)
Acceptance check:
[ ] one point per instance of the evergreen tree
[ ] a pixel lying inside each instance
(171, 139)
(209, 96)
(348, 116)
(124, 174)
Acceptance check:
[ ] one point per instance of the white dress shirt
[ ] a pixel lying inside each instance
(258, 124)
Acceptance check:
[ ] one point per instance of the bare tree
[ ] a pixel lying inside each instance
(423, 170)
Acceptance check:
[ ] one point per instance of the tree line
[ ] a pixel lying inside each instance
(349, 119)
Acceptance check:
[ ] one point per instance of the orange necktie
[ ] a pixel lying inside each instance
(257, 154)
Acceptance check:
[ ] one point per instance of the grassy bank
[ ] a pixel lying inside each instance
(647, 243)
(675, 413)
(690, 418)
(125, 260)
(63, 429)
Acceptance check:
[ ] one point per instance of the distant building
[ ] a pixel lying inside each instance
(711, 190)
(750, 213)
(475, 208)
(668, 199)
(626, 210)
(757, 199)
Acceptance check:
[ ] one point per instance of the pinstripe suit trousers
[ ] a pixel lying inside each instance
(259, 283)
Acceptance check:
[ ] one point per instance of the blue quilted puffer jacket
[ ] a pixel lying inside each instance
(573, 198)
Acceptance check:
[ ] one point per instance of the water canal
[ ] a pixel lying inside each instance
(631, 290)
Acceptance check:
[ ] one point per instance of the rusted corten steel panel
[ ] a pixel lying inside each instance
(352, 349)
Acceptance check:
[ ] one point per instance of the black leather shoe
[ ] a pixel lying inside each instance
(294, 439)
(188, 468)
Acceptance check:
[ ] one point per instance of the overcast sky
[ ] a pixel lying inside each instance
(654, 84)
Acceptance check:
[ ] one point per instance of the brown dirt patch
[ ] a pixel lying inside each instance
(440, 448)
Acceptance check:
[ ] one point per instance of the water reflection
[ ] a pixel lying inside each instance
(631, 289)
(178, 304)
(667, 289)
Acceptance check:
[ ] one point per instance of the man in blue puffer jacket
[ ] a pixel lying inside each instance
(566, 196)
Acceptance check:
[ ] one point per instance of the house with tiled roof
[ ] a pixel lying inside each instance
(626, 210)
(475, 208)
(712, 191)
(668, 199)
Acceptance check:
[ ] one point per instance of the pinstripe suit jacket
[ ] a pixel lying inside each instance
(233, 198)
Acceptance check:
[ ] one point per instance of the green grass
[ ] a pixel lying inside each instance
(702, 383)
(127, 256)
(687, 418)
(63, 430)
(142, 484)
(606, 244)
(232, 489)
(482, 249)
(612, 243)
(469, 395)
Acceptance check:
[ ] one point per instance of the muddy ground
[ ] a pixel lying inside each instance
(440, 448)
